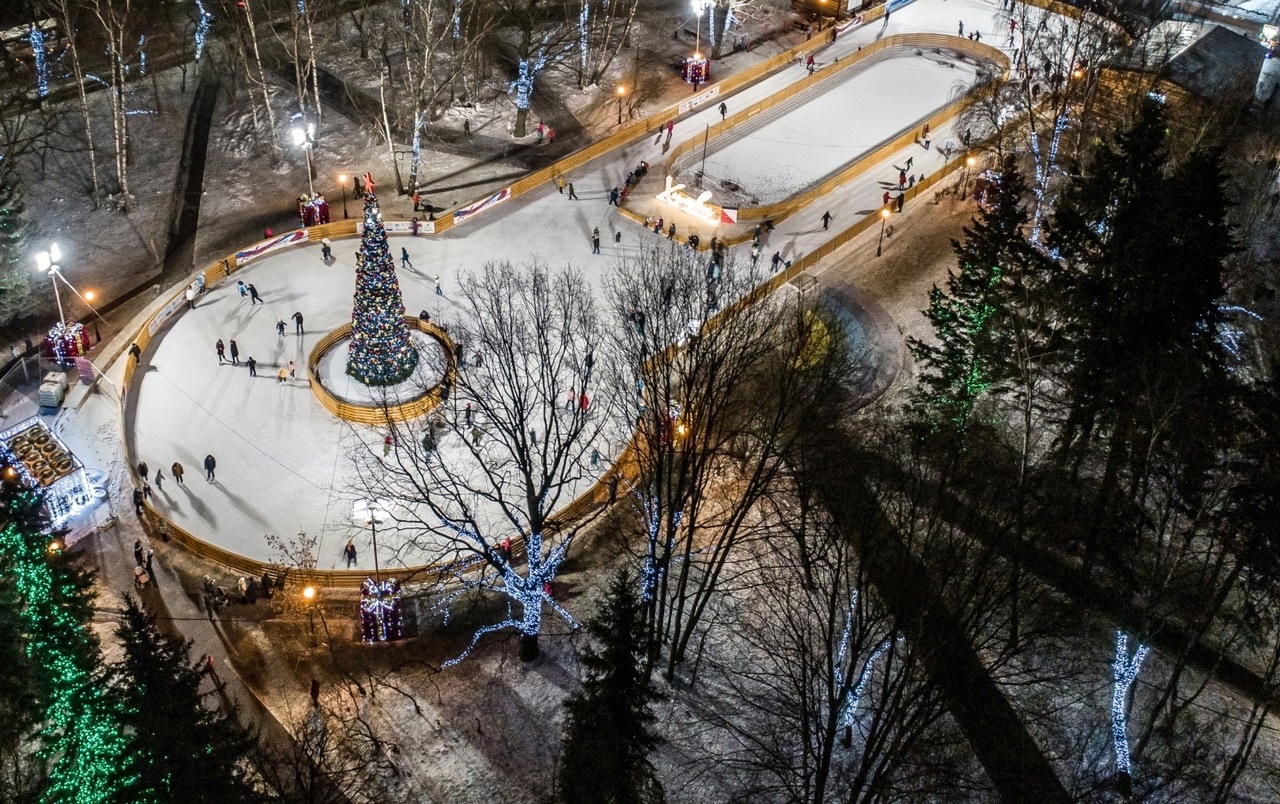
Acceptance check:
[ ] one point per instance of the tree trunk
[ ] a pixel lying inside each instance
(529, 647)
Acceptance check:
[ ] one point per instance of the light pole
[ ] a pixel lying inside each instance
(706, 135)
(47, 262)
(884, 218)
(621, 92)
(371, 513)
(309, 595)
(304, 136)
(969, 162)
(342, 180)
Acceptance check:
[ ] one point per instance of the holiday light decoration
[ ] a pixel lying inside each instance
(380, 611)
(650, 574)
(81, 733)
(203, 19)
(529, 590)
(381, 351)
(1123, 672)
(457, 19)
(36, 38)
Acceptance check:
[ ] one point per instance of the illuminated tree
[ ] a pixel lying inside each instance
(382, 352)
(15, 282)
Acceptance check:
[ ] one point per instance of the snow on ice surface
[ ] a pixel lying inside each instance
(796, 148)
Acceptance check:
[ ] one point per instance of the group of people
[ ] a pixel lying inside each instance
(143, 493)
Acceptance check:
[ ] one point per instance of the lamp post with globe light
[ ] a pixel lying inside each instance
(884, 217)
(304, 136)
(969, 162)
(47, 262)
(342, 180)
(621, 92)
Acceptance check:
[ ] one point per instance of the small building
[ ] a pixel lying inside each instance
(1189, 63)
(45, 463)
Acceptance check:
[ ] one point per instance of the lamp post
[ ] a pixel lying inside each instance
(621, 92)
(309, 595)
(884, 218)
(371, 513)
(342, 180)
(47, 262)
(969, 162)
(304, 136)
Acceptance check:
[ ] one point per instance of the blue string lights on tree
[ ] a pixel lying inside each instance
(380, 611)
(36, 38)
(381, 352)
(1123, 672)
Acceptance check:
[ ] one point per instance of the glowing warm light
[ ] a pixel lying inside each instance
(622, 91)
(884, 213)
(1077, 73)
(970, 161)
(89, 295)
(309, 593)
(342, 177)
(55, 547)
(682, 429)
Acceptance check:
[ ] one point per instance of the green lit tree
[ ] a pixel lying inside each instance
(382, 352)
(21, 693)
(607, 737)
(80, 732)
(176, 748)
(975, 320)
(15, 281)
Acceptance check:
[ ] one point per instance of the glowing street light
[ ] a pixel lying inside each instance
(305, 138)
(47, 263)
(621, 92)
(309, 596)
(884, 218)
(342, 180)
(969, 162)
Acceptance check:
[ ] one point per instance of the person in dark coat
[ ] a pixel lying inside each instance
(137, 501)
(254, 298)
(137, 552)
(349, 553)
(297, 322)
(209, 465)
(235, 352)
(253, 366)
(143, 471)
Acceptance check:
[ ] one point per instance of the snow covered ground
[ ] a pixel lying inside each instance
(799, 144)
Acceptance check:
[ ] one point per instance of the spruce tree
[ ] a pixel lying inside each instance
(176, 749)
(15, 274)
(975, 319)
(607, 737)
(381, 352)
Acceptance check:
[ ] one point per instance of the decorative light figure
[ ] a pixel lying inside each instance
(1123, 672)
(36, 38)
(203, 18)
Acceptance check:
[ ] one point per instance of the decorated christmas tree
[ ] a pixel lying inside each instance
(381, 351)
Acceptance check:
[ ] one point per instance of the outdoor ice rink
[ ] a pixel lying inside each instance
(282, 464)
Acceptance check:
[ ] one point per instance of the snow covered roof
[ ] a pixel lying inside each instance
(1204, 59)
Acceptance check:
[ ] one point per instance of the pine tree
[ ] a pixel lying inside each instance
(15, 276)
(382, 352)
(975, 318)
(21, 698)
(607, 736)
(80, 732)
(176, 750)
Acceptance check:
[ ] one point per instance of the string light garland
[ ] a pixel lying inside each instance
(203, 19)
(1123, 672)
(381, 351)
(81, 733)
(380, 611)
(36, 38)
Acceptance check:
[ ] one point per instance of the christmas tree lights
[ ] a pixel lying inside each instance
(382, 352)
(82, 734)
(380, 611)
(1123, 672)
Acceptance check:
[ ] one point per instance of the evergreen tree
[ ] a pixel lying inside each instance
(15, 274)
(382, 352)
(79, 729)
(1142, 249)
(21, 698)
(976, 318)
(607, 737)
(176, 749)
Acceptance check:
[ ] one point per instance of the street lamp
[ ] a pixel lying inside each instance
(884, 218)
(371, 513)
(342, 180)
(47, 262)
(621, 92)
(309, 595)
(969, 162)
(305, 138)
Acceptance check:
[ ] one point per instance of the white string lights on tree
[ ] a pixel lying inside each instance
(1123, 672)
(203, 19)
(36, 38)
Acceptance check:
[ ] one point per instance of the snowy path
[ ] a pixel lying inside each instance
(282, 460)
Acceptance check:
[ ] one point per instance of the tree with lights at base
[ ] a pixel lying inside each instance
(381, 352)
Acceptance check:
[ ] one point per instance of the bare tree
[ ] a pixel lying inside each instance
(478, 488)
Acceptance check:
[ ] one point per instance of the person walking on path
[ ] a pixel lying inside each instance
(143, 471)
(137, 552)
(297, 323)
(928, 138)
(404, 258)
(777, 260)
(209, 465)
(572, 195)
(191, 298)
(902, 200)
(349, 553)
(961, 28)
(253, 366)
(159, 480)
(254, 298)
(724, 110)
(221, 350)
(137, 502)
(280, 327)
(560, 183)
(151, 573)
(235, 352)
(826, 220)
(671, 231)
(177, 472)
(595, 241)
(887, 198)
(439, 290)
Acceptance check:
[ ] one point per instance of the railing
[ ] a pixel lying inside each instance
(373, 414)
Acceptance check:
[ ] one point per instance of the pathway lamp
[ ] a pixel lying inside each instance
(304, 136)
(969, 162)
(342, 180)
(884, 218)
(621, 92)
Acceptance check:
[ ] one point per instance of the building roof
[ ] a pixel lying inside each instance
(1207, 60)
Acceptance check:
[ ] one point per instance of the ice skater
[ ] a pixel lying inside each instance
(297, 322)
(404, 258)
(613, 197)
(143, 471)
(280, 327)
(235, 352)
(253, 366)
(137, 502)
(349, 553)
(177, 471)
(293, 370)
(242, 287)
(254, 298)
(439, 290)
(159, 480)
(209, 465)
(572, 195)
(595, 241)
(222, 351)
(724, 110)
(826, 220)
(281, 375)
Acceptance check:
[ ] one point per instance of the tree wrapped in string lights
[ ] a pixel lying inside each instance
(381, 352)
